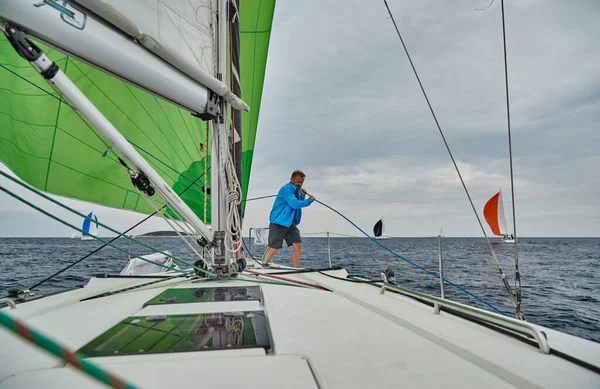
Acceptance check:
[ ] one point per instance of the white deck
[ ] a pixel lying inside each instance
(352, 337)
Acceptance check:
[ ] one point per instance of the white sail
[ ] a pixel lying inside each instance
(178, 31)
(501, 217)
(179, 28)
(260, 236)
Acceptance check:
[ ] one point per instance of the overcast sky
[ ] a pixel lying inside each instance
(341, 103)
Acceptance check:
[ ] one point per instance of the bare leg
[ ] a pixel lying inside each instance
(296, 253)
(269, 254)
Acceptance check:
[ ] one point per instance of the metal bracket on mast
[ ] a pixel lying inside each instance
(212, 111)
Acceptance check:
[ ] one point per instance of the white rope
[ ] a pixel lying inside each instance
(233, 241)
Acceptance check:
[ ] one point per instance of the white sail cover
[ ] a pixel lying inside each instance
(260, 236)
(181, 27)
(178, 31)
(138, 267)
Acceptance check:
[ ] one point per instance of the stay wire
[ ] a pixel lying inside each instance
(56, 218)
(502, 275)
(512, 184)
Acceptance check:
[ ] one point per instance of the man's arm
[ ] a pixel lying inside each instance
(289, 195)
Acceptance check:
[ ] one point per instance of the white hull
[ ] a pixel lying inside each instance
(87, 237)
(351, 336)
(383, 237)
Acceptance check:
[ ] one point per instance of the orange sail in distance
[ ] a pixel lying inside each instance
(493, 211)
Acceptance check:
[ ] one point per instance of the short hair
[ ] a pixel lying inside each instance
(298, 173)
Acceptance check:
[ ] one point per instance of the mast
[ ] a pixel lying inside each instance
(220, 257)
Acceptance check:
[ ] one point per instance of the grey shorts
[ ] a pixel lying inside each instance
(278, 233)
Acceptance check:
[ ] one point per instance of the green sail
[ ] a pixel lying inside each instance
(256, 18)
(48, 145)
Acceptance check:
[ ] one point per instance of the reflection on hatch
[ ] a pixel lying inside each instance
(202, 295)
(176, 333)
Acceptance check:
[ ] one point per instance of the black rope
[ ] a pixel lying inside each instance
(351, 280)
(112, 240)
(308, 270)
(250, 253)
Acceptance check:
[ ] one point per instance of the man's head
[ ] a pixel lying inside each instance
(297, 178)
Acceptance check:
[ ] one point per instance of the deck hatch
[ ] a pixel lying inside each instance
(203, 295)
(178, 333)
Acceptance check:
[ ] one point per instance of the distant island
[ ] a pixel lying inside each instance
(163, 234)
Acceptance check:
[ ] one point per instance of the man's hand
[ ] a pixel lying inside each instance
(312, 197)
(303, 192)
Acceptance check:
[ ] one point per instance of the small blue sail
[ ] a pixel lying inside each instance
(86, 224)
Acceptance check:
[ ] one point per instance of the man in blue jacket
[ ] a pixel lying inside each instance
(285, 216)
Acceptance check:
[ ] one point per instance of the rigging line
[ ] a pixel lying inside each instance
(512, 185)
(21, 199)
(85, 365)
(483, 9)
(120, 109)
(60, 100)
(34, 190)
(159, 160)
(104, 245)
(87, 124)
(35, 85)
(502, 276)
(316, 286)
(137, 286)
(413, 263)
(161, 212)
(250, 253)
(352, 280)
(308, 270)
(260, 198)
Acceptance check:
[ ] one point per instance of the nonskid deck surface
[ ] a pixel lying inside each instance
(348, 336)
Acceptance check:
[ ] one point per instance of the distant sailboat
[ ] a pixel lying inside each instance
(260, 236)
(90, 229)
(493, 211)
(379, 230)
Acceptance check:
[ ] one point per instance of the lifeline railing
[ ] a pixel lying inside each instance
(326, 233)
(506, 322)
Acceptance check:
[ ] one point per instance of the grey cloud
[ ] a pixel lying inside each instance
(340, 102)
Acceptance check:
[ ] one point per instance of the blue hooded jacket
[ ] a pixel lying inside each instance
(287, 206)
